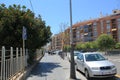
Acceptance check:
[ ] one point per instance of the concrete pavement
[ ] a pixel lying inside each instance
(53, 67)
(116, 60)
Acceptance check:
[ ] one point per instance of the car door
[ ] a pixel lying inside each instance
(80, 62)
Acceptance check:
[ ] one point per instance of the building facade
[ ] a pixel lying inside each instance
(57, 41)
(90, 30)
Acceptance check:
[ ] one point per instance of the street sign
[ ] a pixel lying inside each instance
(24, 33)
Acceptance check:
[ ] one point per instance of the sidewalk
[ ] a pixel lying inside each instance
(53, 67)
(66, 66)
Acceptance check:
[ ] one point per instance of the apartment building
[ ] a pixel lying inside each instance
(90, 30)
(57, 41)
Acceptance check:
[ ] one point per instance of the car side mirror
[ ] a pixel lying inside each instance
(82, 60)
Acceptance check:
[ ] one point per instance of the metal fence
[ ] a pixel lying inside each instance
(12, 62)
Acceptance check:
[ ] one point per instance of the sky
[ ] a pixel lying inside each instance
(56, 13)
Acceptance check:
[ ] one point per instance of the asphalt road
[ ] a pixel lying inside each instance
(53, 67)
(116, 60)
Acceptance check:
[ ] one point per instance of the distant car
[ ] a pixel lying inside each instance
(93, 64)
(75, 55)
(51, 52)
(58, 51)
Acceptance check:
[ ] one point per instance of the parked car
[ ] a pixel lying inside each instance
(57, 51)
(75, 55)
(51, 52)
(94, 64)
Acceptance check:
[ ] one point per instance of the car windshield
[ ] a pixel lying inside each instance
(94, 57)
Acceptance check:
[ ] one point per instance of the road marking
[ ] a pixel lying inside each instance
(117, 75)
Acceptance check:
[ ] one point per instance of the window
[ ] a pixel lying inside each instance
(95, 33)
(94, 23)
(80, 57)
(85, 28)
(78, 35)
(102, 27)
(113, 21)
(94, 57)
(94, 26)
(81, 29)
(108, 33)
(108, 25)
(118, 22)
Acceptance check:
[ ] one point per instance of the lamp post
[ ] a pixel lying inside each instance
(72, 63)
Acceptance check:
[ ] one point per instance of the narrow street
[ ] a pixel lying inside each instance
(51, 67)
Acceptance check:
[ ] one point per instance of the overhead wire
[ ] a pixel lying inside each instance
(31, 6)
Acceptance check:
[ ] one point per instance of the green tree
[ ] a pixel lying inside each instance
(117, 46)
(12, 20)
(105, 41)
(87, 46)
(80, 46)
(66, 48)
(94, 45)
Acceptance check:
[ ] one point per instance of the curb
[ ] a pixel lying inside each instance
(26, 73)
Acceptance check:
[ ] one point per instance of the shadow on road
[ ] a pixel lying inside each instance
(42, 68)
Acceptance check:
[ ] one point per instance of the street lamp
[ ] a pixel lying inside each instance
(72, 64)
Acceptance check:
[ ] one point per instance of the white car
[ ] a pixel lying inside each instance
(93, 64)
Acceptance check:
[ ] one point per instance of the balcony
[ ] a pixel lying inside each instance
(114, 29)
(85, 34)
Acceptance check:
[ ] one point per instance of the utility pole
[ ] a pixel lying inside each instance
(72, 63)
(24, 37)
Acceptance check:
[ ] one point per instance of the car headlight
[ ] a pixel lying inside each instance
(95, 68)
(112, 67)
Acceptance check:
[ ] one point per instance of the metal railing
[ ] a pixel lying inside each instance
(12, 62)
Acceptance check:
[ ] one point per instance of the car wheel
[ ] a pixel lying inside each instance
(87, 74)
